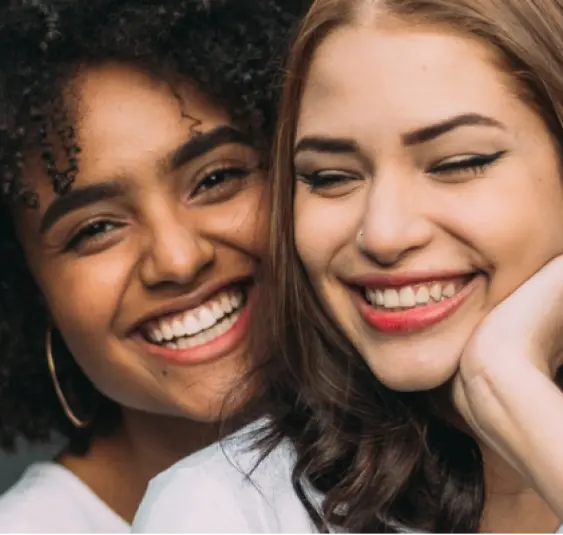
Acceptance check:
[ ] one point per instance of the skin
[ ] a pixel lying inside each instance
(173, 233)
(371, 86)
(519, 343)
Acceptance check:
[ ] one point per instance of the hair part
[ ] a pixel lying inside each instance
(384, 460)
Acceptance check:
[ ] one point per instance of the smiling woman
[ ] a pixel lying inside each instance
(413, 316)
(133, 154)
(424, 205)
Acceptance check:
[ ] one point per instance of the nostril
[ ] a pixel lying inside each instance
(177, 261)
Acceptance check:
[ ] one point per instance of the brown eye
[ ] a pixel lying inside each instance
(92, 231)
(221, 177)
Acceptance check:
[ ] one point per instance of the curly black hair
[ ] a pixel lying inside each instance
(231, 50)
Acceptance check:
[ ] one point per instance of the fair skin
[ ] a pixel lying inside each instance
(449, 181)
(170, 229)
(519, 343)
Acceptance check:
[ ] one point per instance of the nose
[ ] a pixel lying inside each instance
(394, 222)
(175, 252)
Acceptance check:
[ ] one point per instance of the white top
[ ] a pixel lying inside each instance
(210, 492)
(48, 498)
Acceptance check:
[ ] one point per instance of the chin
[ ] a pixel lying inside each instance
(411, 382)
(413, 371)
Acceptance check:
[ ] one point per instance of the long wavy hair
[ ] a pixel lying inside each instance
(385, 461)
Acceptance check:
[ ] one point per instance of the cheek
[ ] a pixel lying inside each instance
(323, 227)
(517, 228)
(243, 221)
(82, 296)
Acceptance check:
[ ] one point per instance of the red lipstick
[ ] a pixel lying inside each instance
(417, 318)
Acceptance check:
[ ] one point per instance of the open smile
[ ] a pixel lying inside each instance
(393, 308)
(212, 329)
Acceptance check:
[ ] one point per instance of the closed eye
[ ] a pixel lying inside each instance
(325, 179)
(475, 164)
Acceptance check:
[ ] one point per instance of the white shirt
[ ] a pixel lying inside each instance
(210, 492)
(48, 498)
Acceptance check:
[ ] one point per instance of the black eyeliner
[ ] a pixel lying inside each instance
(474, 162)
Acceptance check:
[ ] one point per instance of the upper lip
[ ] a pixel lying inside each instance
(403, 279)
(187, 302)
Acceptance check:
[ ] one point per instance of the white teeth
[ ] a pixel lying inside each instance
(197, 340)
(203, 323)
(226, 304)
(423, 295)
(206, 318)
(183, 343)
(191, 324)
(156, 335)
(217, 311)
(178, 328)
(436, 291)
(407, 298)
(391, 298)
(166, 330)
(236, 300)
(379, 299)
(223, 326)
(206, 336)
(449, 290)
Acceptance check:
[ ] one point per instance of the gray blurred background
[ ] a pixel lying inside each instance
(11, 466)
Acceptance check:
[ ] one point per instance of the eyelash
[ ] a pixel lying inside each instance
(324, 179)
(96, 229)
(91, 231)
(225, 175)
(475, 164)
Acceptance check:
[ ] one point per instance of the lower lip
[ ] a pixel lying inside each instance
(414, 319)
(217, 348)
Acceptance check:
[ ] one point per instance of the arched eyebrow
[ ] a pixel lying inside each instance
(195, 147)
(433, 131)
(348, 146)
(201, 143)
(78, 198)
(332, 145)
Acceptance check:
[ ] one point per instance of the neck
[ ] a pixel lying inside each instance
(511, 505)
(155, 442)
(118, 468)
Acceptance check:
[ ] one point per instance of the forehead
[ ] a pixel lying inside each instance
(123, 115)
(126, 122)
(400, 76)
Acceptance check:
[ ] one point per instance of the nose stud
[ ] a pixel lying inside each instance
(360, 239)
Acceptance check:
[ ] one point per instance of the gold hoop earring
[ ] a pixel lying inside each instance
(77, 422)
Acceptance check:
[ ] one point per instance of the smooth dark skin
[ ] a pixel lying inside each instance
(170, 221)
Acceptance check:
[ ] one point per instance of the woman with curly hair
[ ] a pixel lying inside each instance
(416, 282)
(133, 143)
